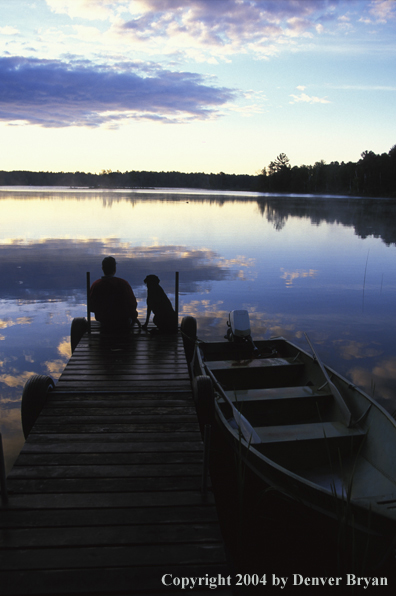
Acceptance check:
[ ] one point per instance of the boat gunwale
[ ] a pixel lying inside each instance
(237, 437)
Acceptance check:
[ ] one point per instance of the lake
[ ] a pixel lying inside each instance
(325, 266)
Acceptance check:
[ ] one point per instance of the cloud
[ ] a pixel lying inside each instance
(8, 30)
(209, 31)
(382, 10)
(226, 26)
(84, 9)
(53, 93)
(303, 97)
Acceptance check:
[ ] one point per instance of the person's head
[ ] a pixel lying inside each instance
(109, 265)
(151, 280)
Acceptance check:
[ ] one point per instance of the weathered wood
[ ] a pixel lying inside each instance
(39, 501)
(123, 383)
(57, 444)
(130, 575)
(56, 518)
(109, 535)
(108, 485)
(119, 428)
(105, 497)
(68, 437)
(111, 556)
(106, 471)
(90, 459)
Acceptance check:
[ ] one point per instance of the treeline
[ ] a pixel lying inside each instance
(109, 179)
(373, 175)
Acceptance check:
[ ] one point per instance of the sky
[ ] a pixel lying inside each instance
(194, 85)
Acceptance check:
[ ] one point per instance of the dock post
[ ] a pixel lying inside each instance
(177, 299)
(88, 309)
(3, 483)
(204, 485)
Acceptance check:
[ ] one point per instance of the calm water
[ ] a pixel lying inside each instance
(321, 265)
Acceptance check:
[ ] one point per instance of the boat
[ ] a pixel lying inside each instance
(301, 428)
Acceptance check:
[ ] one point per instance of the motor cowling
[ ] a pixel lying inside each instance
(239, 323)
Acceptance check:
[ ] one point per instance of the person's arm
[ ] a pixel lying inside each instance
(131, 299)
(147, 319)
(132, 303)
(92, 298)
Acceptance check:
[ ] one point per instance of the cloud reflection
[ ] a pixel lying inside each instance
(15, 378)
(352, 350)
(291, 276)
(212, 317)
(5, 323)
(379, 381)
(54, 269)
(55, 367)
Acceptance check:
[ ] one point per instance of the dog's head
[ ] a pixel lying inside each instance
(151, 280)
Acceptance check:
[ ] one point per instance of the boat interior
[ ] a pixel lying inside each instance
(288, 402)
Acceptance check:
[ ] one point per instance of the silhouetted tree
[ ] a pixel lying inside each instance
(279, 174)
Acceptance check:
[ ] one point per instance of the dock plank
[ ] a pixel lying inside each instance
(105, 497)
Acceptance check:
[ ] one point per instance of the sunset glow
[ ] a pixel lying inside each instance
(197, 86)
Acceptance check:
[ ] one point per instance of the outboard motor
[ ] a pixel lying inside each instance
(239, 329)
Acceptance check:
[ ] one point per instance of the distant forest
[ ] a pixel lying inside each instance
(373, 175)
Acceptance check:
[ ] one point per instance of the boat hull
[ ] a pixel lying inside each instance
(306, 451)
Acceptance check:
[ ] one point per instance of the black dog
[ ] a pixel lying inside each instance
(158, 303)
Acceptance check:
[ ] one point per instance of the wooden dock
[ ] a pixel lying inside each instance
(105, 496)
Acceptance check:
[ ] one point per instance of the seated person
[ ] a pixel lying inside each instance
(112, 300)
(158, 302)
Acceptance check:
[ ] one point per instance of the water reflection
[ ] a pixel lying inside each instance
(290, 276)
(296, 265)
(54, 269)
(368, 217)
(381, 379)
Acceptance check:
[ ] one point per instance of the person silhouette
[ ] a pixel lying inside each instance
(112, 300)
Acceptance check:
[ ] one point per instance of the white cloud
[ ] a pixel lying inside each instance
(383, 10)
(8, 30)
(210, 31)
(304, 98)
(224, 26)
(87, 33)
(84, 9)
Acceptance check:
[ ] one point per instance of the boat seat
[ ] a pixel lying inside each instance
(253, 374)
(276, 393)
(307, 432)
(222, 365)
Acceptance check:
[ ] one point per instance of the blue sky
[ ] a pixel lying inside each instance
(194, 86)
